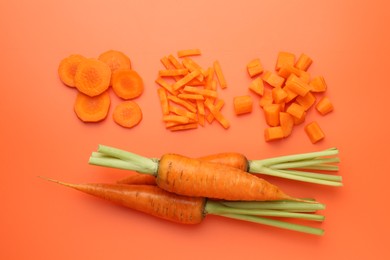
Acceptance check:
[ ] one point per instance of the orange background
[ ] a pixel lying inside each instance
(41, 136)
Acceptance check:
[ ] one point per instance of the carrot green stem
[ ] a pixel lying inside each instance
(276, 205)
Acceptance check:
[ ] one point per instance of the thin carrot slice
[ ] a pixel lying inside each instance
(306, 101)
(127, 114)
(242, 104)
(296, 110)
(92, 77)
(273, 133)
(217, 114)
(314, 132)
(220, 75)
(68, 67)
(254, 67)
(127, 84)
(271, 114)
(92, 109)
(162, 94)
(303, 62)
(116, 60)
(286, 122)
(273, 79)
(284, 58)
(324, 106)
(257, 86)
(188, 52)
(318, 84)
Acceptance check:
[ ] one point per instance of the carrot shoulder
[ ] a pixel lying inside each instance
(92, 109)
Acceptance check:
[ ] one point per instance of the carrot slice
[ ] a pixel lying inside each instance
(127, 114)
(271, 113)
(303, 62)
(324, 106)
(92, 109)
(92, 77)
(242, 105)
(68, 67)
(257, 86)
(286, 122)
(314, 132)
(115, 60)
(220, 75)
(127, 84)
(254, 67)
(284, 58)
(273, 133)
(188, 52)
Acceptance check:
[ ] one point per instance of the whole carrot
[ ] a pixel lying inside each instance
(157, 202)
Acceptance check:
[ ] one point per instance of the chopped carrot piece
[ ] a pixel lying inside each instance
(188, 52)
(191, 96)
(127, 84)
(242, 104)
(168, 87)
(296, 110)
(172, 72)
(217, 114)
(183, 103)
(127, 114)
(305, 76)
(286, 122)
(92, 109)
(306, 101)
(314, 132)
(92, 77)
(68, 67)
(187, 78)
(254, 67)
(298, 121)
(181, 127)
(175, 62)
(291, 95)
(271, 113)
(284, 58)
(303, 62)
(273, 79)
(279, 95)
(200, 91)
(116, 60)
(218, 105)
(324, 106)
(318, 84)
(176, 119)
(162, 94)
(266, 99)
(257, 86)
(273, 133)
(220, 75)
(286, 70)
(297, 85)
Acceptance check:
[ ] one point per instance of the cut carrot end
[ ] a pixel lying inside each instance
(314, 132)
(324, 106)
(242, 105)
(127, 114)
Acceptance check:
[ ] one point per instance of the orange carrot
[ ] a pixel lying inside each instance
(201, 91)
(254, 67)
(188, 52)
(115, 60)
(273, 79)
(284, 58)
(303, 62)
(306, 101)
(297, 85)
(314, 132)
(273, 133)
(296, 110)
(271, 113)
(127, 84)
(183, 112)
(127, 114)
(266, 99)
(68, 67)
(138, 179)
(92, 109)
(324, 106)
(318, 84)
(235, 160)
(92, 77)
(220, 74)
(291, 95)
(286, 123)
(298, 121)
(162, 95)
(191, 96)
(180, 127)
(286, 70)
(257, 86)
(279, 95)
(242, 104)
(176, 119)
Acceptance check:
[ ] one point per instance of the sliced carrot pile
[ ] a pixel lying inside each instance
(92, 77)
(188, 92)
(287, 94)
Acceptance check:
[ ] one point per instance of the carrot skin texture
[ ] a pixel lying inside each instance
(138, 179)
(232, 159)
(193, 177)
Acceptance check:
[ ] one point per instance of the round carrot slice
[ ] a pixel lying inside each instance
(115, 60)
(68, 67)
(92, 109)
(92, 77)
(127, 114)
(127, 84)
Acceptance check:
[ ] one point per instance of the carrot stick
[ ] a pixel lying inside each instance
(254, 67)
(218, 105)
(92, 109)
(187, 78)
(188, 52)
(217, 114)
(176, 119)
(324, 106)
(172, 72)
(92, 77)
(68, 67)
(220, 75)
(183, 112)
(175, 62)
(180, 127)
(162, 95)
(200, 91)
(127, 84)
(183, 103)
(127, 114)
(190, 96)
(242, 104)
(160, 81)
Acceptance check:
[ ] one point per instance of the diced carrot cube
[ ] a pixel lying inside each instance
(273, 133)
(314, 132)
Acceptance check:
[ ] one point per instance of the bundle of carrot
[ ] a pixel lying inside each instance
(157, 202)
(312, 167)
(188, 92)
(291, 92)
(92, 78)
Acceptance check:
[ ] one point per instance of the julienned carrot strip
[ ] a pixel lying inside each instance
(92, 109)
(201, 91)
(167, 63)
(273, 79)
(188, 52)
(175, 62)
(318, 84)
(181, 127)
(191, 96)
(271, 114)
(172, 72)
(183, 112)
(183, 103)
(168, 87)
(303, 62)
(314, 132)
(92, 77)
(297, 85)
(127, 84)
(187, 78)
(306, 101)
(296, 110)
(283, 59)
(162, 95)
(217, 114)
(176, 119)
(68, 67)
(127, 114)
(191, 65)
(257, 86)
(324, 106)
(201, 112)
(273, 133)
(254, 67)
(220, 74)
(242, 104)
(218, 105)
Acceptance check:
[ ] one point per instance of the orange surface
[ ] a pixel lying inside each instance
(41, 136)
